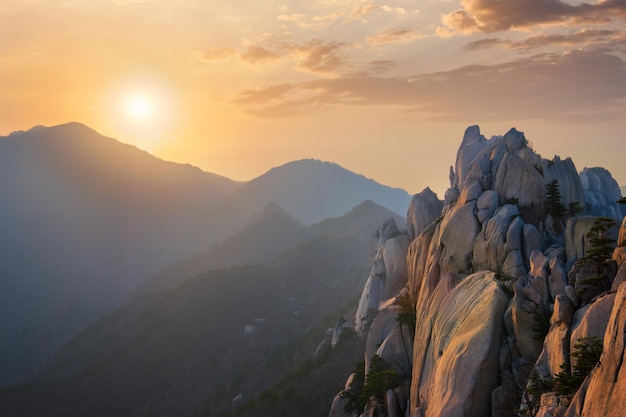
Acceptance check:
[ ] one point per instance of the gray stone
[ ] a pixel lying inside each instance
(473, 143)
(424, 208)
(394, 253)
(601, 193)
(486, 204)
(575, 240)
(539, 265)
(514, 235)
(566, 174)
(605, 394)
(471, 190)
(446, 360)
(532, 241)
(570, 293)
(557, 279)
(515, 177)
(457, 238)
(594, 320)
(514, 265)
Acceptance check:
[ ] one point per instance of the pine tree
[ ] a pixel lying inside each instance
(598, 255)
(554, 202)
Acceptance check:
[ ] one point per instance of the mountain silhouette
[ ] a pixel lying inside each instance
(85, 219)
(313, 190)
(192, 347)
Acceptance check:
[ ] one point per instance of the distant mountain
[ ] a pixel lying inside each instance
(313, 190)
(191, 349)
(268, 235)
(84, 218)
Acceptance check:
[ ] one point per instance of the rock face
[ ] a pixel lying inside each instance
(605, 390)
(601, 193)
(389, 272)
(459, 335)
(494, 280)
(424, 208)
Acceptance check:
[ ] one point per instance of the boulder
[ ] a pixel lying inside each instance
(473, 143)
(490, 250)
(565, 173)
(592, 320)
(381, 327)
(605, 394)
(456, 350)
(601, 193)
(418, 259)
(514, 140)
(525, 314)
(556, 346)
(575, 240)
(557, 280)
(532, 241)
(457, 239)
(486, 204)
(517, 178)
(394, 252)
(424, 208)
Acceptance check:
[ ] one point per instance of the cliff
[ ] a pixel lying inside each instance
(511, 289)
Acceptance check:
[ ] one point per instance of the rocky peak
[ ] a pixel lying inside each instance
(496, 289)
(601, 193)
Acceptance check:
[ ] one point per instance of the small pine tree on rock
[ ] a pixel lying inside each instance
(598, 256)
(554, 201)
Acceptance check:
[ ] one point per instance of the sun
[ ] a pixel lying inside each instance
(140, 107)
(143, 110)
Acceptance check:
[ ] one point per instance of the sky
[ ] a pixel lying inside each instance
(385, 89)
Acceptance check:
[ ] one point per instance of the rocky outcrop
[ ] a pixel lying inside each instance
(389, 272)
(567, 177)
(604, 392)
(496, 287)
(423, 209)
(459, 334)
(601, 193)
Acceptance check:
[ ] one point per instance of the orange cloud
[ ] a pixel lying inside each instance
(257, 54)
(570, 87)
(394, 36)
(585, 37)
(361, 12)
(317, 56)
(497, 15)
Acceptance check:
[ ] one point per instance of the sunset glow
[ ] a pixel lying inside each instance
(385, 89)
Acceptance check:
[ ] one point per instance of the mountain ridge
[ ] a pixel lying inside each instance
(86, 218)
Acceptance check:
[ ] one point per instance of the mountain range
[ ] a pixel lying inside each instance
(85, 219)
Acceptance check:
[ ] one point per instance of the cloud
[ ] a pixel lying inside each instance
(257, 54)
(317, 56)
(498, 15)
(264, 95)
(394, 36)
(360, 13)
(316, 22)
(216, 54)
(585, 37)
(569, 87)
(380, 65)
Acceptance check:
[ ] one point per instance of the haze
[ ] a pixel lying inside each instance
(385, 89)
